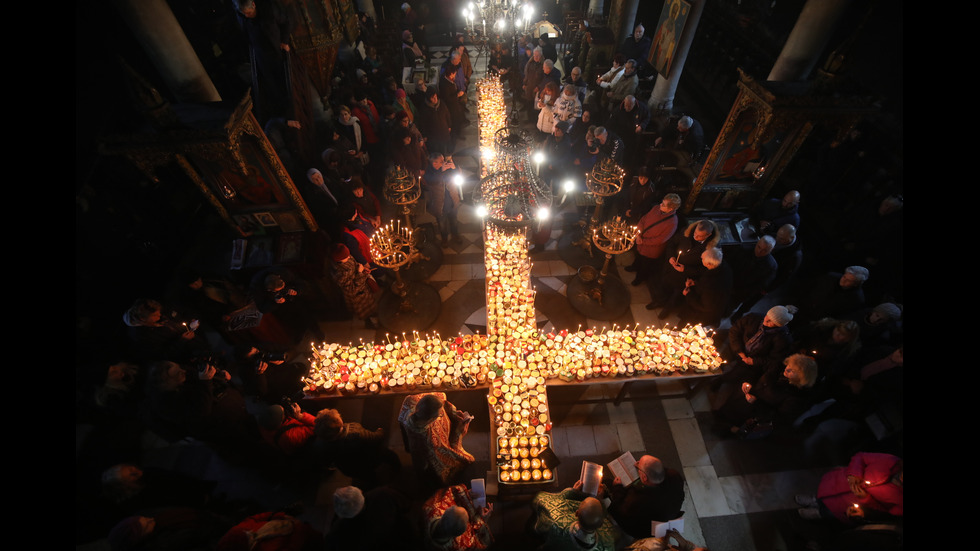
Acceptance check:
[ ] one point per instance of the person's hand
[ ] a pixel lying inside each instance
(854, 512)
(577, 485)
(207, 373)
(261, 367)
(750, 398)
(280, 300)
(686, 291)
(617, 482)
(291, 292)
(639, 129)
(603, 491)
(857, 486)
(656, 143)
(485, 512)
(689, 282)
(188, 335)
(294, 411)
(763, 224)
(294, 124)
(360, 268)
(285, 47)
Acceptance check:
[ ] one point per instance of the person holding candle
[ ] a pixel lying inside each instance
(868, 489)
(434, 429)
(684, 261)
(705, 300)
(656, 228)
(442, 196)
(774, 402)
(156, 332)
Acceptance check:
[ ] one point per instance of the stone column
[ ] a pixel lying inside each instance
(623, 11)
(805, 45)
(664, 89)
(154, 25)
(595, 6)
(367, 6)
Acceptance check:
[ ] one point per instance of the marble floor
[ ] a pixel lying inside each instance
(738, 494)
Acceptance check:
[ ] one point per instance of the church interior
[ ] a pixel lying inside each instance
(150, 163)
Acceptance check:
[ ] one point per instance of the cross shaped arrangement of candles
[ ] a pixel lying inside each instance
(515, 360)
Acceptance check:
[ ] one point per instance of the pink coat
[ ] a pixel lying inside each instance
(875, 470)
(653, 238)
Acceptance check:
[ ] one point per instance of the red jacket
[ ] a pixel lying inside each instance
(875, 470)
(370, 121)
(653, 238)
(292, 435)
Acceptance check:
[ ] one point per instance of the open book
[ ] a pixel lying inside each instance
(479, 490)
(624, 467)
(659, 529)
(591, 477)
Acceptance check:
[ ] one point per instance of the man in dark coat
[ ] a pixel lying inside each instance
(657, 495)
(442, 196)
(267, 27)
(436, 124)
(707, 298)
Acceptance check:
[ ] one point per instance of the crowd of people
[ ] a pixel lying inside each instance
(833, 343)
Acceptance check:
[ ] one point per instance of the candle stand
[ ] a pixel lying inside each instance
(403, 190)
(591, 293)
(605, 180)
(406, 305)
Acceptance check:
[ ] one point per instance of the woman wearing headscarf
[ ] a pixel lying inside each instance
(358, 286)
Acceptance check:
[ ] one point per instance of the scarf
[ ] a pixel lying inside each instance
(764, 333)
(323, 186)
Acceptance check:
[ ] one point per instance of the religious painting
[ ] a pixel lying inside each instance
(673, 17)
(290, 248)
(745, 160)
(260, 252)
(266, 219)
(250, 198)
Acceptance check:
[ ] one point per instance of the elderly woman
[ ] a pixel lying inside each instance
(453, 522)
(434, 429)
(773, 403)
(757, 343)
(545, 103)
(567, 106)
(357, 284)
